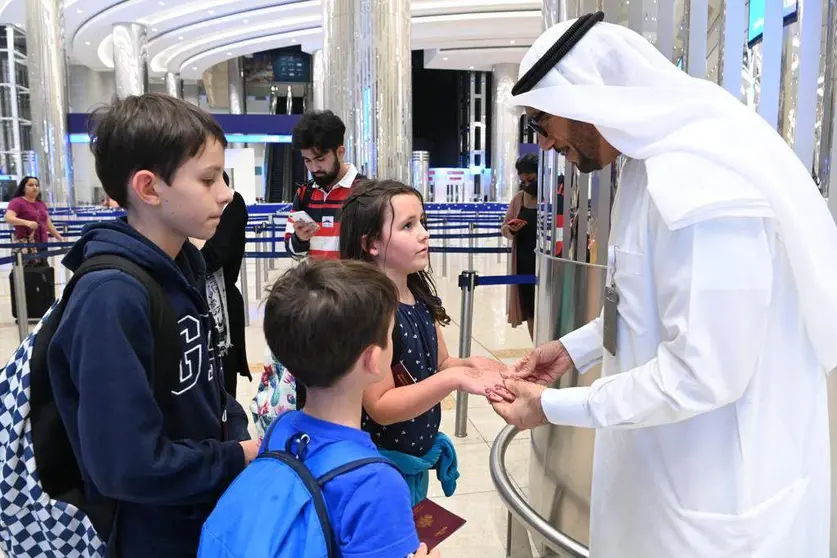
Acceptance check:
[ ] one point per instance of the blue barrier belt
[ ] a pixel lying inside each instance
(15, 245)
(485, 280)
(465, 250)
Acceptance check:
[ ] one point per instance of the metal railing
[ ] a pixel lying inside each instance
(521, 510)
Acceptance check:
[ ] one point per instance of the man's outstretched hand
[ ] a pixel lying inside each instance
(542, 366)
(523, 408)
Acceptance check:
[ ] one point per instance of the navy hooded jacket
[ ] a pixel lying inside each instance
(165, 471)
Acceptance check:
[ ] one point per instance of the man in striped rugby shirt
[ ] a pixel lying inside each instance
(319, 137)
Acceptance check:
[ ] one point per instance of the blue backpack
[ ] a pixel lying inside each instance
(275, 507)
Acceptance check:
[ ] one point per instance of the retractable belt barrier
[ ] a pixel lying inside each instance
(268, 237)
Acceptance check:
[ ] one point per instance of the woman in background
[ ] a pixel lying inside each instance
(520, 226)
(29, 215)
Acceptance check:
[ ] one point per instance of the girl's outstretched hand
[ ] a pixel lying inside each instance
(486, 363)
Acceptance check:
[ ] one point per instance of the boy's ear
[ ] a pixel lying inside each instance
(341, 152)
(371, 360)
(144, 185)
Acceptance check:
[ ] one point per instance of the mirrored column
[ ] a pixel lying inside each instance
(827, 148)
(174, 85)
(366, 49)
(504, 133)
(235, 80)
(130, 59)
(47, 72)
(236, 85)
(318, 78)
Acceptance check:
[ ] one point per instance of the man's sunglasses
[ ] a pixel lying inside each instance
(533, 124)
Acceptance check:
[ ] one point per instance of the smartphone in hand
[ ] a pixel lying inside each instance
(302, 217)
(516, 224)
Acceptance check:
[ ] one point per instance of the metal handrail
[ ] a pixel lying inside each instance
(517, 504)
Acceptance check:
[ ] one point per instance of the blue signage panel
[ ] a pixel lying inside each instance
(756, 22)
(269, 125)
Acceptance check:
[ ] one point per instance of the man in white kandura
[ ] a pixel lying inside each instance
(711, 412)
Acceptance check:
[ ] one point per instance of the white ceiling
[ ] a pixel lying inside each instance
(190, 36)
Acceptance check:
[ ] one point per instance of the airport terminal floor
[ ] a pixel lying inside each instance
(476, 499)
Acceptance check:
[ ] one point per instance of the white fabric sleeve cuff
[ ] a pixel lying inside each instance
(584, 345)
(567, 406)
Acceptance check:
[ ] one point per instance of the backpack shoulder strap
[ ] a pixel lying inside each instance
(314, 489)
(163, 319)
(307, 194)
(351, 466)
(339, 458)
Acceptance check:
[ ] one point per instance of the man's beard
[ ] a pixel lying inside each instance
(588, 165)
(327, 179)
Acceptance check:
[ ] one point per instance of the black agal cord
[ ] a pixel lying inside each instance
(559, 50)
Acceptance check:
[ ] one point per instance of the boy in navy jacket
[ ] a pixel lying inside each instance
(162, 160)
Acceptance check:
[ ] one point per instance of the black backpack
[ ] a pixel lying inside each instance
(57, 468)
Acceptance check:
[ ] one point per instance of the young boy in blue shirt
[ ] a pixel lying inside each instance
(330, 322)
(164, 463)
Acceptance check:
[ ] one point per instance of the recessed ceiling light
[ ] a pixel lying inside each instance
(87, 43)
(195, 68)
(246, 21)
(79, 10)
(229, 54)
(180, 38)
(154, 29)
(445, 58)
(470, 67)
(511, 42)
(293, 40)
(211, 12)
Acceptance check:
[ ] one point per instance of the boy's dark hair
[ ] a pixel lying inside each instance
(363, 216)
(309, 303)
(150, 132)
(528, 164)
(320, 130)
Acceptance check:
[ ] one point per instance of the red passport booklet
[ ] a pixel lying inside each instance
(402, 376)
(434, 523)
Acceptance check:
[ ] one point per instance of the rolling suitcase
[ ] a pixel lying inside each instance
(40, 291)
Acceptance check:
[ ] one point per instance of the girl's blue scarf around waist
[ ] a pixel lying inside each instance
(416, 469)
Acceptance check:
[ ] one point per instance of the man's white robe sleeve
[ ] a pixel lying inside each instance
(712, 284)
(584, 345)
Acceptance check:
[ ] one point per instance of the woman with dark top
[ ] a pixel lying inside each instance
(520, 226)
(224, 253)
(29, 215)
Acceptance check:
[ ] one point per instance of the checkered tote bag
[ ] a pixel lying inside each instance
(31, 523)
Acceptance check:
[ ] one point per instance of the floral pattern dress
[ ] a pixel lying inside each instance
(276, 394)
